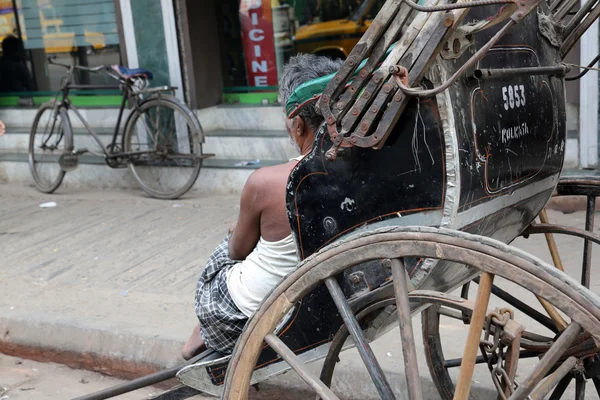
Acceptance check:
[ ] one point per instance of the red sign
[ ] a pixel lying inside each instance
(259, 44)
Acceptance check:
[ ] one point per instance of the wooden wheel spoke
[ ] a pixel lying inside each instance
(548, 360)
(551, 242)
(560, 322)
(365, 351)
(322, 390)
(411, 369)
(465, 376)
(555, 379)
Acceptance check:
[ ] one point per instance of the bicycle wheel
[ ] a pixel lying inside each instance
(163, 136)
(50, 137)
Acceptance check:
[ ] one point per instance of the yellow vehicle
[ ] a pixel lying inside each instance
(336, 38)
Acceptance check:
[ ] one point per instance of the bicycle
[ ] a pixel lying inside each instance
(161, 141)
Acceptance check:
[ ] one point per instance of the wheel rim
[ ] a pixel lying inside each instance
(485, 254)
(432, 338)
(172, 169)
(47, 143)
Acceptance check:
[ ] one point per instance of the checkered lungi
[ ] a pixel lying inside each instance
(221, 322)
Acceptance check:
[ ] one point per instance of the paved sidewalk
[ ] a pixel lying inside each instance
(116, 268)
(105, 279)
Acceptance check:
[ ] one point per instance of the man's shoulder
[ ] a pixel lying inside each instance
(271, 175)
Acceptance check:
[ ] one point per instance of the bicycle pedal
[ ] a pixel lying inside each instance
(68, 162)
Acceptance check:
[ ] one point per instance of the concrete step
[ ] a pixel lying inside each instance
(96, 117)
(221, 117)
(228, 145)
(242, 117)
(216, 176)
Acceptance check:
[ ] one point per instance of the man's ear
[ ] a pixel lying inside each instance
(298, 125)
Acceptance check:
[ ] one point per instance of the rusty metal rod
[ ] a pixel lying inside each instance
(596, 381)
(562, 11)
(144, 381)
(135, 384)
(577, 18)
(465, 377)
(585, 70)
(471, 62)
(587, 247)
(562, 230)
(554, 379)
(580, 388)
(561, 387)
(576, 34)
(411, 369)
(457, 362)
(519, 305)
(490, 73)
(456, 6)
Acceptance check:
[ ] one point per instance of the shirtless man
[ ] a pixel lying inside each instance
(230, 291)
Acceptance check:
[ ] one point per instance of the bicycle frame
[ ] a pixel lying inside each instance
(127, 92)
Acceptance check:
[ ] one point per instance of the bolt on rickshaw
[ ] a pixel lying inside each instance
(443, 140)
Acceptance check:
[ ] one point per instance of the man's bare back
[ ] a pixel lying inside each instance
(274, 223)
(262, 210)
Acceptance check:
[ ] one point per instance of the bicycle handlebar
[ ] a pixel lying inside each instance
(94, 69)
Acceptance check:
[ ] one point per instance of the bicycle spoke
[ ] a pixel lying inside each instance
(166, 170)
(411, 369)
(47, 142)
(365, 351)
(157, 133)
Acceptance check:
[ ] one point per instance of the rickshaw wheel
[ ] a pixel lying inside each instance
(491, 258)
(588, 187)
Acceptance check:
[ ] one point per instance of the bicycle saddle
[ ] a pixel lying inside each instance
(129, 73)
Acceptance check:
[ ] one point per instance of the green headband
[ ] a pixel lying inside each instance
(311, 91)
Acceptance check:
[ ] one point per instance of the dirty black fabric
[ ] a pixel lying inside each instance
(221, 322)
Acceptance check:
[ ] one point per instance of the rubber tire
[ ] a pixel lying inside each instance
(68, 138)
(192, 122)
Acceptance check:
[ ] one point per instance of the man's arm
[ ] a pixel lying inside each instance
(247, 230)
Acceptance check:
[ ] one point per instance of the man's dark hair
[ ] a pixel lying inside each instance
(11, 46)
(300, 69)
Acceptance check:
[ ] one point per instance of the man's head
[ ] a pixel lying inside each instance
(11, 46)
(298, 70)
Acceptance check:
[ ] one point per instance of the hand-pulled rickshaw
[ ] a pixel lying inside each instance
(443, 139)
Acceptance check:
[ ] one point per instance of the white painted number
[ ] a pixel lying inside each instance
(513, 96)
